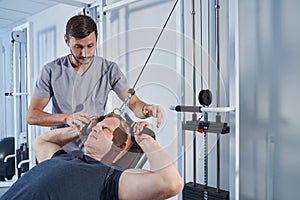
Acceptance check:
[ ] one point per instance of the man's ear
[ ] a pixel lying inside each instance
(66, 39)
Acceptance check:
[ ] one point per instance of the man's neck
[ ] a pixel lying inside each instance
(110, 157)
(79, 68)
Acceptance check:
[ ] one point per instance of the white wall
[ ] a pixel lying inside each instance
(54, 18)
(2, 83)
(269, 99)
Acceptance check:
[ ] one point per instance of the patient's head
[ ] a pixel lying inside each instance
(108, 138)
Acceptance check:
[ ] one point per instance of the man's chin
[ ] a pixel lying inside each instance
(84, 62)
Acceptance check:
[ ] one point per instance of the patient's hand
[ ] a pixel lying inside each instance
(138, 128)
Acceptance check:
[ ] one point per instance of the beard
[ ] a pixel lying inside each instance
(81, 60)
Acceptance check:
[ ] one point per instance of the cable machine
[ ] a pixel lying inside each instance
(194, 190)
(18, 91)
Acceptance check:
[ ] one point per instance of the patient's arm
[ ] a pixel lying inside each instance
(160, 182)
(50, 142)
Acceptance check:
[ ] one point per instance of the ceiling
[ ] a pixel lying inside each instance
(14, 12)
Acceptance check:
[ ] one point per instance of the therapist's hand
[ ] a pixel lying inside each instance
(153, 111)
(79, 120)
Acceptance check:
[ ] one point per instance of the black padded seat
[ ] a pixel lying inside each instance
(7, 147)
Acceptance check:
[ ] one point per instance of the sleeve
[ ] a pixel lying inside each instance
(43, 86)
(59, 152)
(112, 184)
(118, 81)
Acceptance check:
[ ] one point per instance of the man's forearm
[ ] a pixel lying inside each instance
(41, 118)
(162, 165)
(60, 136)
(50, 142)
(159, 161)
(136, 105)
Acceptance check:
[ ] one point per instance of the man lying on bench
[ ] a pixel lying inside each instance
(91, 176)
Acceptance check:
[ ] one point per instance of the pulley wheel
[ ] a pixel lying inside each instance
(205, 97)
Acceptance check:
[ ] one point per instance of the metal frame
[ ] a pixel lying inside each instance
(234, 177)
(117, 4)
(22, 134)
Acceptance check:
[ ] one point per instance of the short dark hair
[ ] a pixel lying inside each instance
(80, 26)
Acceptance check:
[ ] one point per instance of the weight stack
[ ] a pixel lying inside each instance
(197, 191)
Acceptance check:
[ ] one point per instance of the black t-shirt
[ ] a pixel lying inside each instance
(67, 177)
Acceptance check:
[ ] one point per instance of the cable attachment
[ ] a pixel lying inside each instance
(121, 110)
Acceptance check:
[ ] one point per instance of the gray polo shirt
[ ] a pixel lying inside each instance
(72, 93)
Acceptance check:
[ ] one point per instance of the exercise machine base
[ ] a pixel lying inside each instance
(197, 191)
